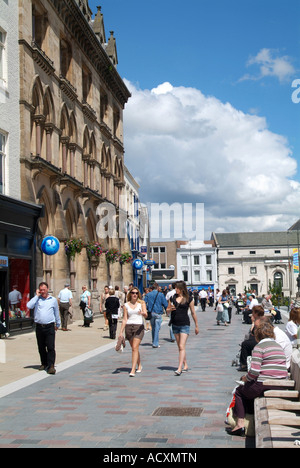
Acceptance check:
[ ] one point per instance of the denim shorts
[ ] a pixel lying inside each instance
(181, 329)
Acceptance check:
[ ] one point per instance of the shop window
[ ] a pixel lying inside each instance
(19, 288)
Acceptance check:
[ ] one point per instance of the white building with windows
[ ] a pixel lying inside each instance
(197, 264)
(253, 260)
(9, 100)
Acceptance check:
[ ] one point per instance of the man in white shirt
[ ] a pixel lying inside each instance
(47, 321)
(203, 298)
(247, 311)
(65, 297)
(284, 341)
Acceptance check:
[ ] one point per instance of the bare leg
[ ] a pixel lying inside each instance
(181, 339)
(136, 359)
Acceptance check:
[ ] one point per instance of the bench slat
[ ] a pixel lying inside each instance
(284, 436)
(263, 437)
(289, 394)
(283, 418)
(280, 383)
(281, 404)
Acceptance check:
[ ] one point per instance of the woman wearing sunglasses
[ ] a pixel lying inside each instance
(133, 324)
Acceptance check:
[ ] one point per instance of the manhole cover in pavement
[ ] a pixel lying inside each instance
(175, 411)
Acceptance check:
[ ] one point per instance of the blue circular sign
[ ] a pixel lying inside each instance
(50, 245)
(138, 264)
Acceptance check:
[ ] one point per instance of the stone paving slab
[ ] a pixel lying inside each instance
(95, 404)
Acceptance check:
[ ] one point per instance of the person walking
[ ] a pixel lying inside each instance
(112, 305)
(155, 302)
(133, 324)
(64, 300)
(47, 321)
(203, 299)
(179, 306)
(85, 301)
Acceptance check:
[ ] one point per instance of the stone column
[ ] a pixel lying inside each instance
(39, 120)
(49, 130)
(64, 141)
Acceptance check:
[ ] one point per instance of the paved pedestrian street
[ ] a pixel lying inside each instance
(95, 404)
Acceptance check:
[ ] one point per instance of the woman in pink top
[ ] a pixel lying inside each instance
(268, 362)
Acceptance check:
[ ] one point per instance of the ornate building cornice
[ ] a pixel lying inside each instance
(74, 20)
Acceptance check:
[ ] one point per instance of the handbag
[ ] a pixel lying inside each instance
(149, 312)
(120, 344)
(220, 308)
(88, 314)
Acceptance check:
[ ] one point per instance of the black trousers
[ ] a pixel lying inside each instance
(246, 349)
(113, 323)
(45, 336)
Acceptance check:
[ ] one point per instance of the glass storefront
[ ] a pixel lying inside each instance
(19, 292)
(18, 224)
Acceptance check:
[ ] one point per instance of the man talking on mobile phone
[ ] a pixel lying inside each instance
(47, 321)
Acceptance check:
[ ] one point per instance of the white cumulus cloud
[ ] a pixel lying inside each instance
(190, 148)
(270, 64)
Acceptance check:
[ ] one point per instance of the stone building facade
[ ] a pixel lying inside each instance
(254, 260)
(72, 154)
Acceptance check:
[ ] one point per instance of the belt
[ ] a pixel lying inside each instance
(45, 325)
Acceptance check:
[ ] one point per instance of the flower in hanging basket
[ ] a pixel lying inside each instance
(73, 246)
(93, 249)
(112, 255)
(125, 257)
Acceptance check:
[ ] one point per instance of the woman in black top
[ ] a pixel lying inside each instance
(179, 306)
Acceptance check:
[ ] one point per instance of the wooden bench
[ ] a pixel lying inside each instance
(277, 414)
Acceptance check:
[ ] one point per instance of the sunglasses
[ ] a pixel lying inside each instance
(134, 292)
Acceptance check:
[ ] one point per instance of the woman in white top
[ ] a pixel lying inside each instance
(293, 325)
(133, 324)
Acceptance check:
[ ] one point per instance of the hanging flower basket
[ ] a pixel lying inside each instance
(125, 257)
(93, 249)
(73, 247)
(112, 255)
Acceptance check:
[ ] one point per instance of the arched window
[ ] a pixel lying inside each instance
(278, 280)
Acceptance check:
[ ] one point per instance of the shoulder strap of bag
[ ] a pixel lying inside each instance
(154, 301)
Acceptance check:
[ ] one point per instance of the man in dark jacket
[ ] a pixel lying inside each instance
(112, 306)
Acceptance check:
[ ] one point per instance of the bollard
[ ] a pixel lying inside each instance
(2, 352)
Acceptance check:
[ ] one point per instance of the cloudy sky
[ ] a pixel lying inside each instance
(213, 116)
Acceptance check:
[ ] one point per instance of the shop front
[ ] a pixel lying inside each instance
(18, 228)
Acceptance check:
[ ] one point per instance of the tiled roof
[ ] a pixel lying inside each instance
(257, 239)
